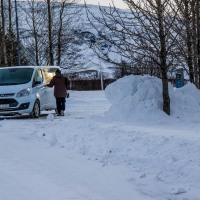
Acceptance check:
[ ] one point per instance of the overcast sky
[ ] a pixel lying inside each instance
(118, 3)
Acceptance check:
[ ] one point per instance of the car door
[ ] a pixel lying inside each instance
(49, 72)
(39, 88)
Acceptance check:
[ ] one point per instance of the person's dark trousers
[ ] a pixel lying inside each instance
(60, 103)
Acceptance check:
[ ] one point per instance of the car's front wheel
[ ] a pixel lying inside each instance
(36, 110)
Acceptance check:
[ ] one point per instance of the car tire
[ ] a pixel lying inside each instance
(36, 110)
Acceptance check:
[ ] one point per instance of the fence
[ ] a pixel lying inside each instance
(94, 84)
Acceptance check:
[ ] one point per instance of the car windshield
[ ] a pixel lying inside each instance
(15, 76)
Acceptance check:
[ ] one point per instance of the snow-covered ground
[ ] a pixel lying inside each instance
(116, 145)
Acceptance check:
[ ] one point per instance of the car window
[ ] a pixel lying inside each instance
(49, 73)
(15, 76)
(38, 74)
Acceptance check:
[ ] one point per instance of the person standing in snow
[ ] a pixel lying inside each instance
(60, 84)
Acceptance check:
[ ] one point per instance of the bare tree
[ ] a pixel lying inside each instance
(10, 37)
(50, 40)
(143, 35)
(50, 29)
(65, 20)
(8, 41)
(5, 62)
(188, 42)
(1, 53)
(198, 39)
(183, 27)
(55, 25)
(35, 30)
(35, 33)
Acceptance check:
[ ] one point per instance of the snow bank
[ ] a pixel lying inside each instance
(140, 97)
(185, 103)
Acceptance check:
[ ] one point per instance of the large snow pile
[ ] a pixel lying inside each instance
(140, 97)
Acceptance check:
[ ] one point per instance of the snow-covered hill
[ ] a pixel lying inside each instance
(82, 56)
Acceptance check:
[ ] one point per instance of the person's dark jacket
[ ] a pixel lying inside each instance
(60, 84)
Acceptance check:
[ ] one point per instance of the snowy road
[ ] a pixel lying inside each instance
(33, 165)
(84, 156)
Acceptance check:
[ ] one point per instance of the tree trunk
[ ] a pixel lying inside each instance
(35, 34)
(51, 60)
(60, 35)
(194, 41)
(3, 32)
(10, 50)
(163, 60)
(198, 39)
(9, 16)
(189, 41)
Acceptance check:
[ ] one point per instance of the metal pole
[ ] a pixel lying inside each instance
(18, 44)
(101, 74)
(100, 66)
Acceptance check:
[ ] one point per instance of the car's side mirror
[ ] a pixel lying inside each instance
(38, 80)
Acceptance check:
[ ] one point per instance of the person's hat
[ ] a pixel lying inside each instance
(58, 71)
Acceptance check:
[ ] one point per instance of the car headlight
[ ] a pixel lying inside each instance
(23, 93)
